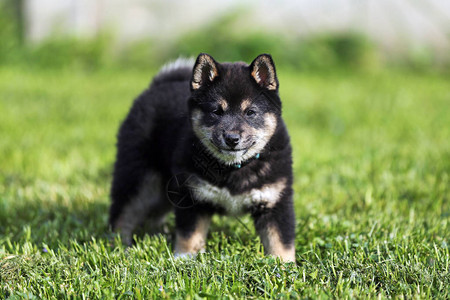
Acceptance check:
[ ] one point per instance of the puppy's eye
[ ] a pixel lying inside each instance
(218, 111)
(250, 112)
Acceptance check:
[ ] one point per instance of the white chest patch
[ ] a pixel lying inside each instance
(268, 195)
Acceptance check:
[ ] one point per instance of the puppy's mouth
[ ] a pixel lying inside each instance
(235, 150)
(230, 155)
(232, 150)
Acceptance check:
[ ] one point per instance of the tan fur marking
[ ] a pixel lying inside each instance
(223, 104)
(274, 246)
(270, 124)
(203, 133)
(196, 241)
(245, 104)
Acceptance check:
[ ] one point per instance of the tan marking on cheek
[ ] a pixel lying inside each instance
(248, 131)
(197, 115)
(245, 104)
(264, 134)
(270, 123)
(196, 241)
(260, 136)
(274, 246)
(223, 104)
(202, 132)
(196, 118)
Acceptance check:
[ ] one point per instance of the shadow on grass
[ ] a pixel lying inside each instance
(51, 213)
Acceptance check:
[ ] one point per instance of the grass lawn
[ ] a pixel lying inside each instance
(372, 166)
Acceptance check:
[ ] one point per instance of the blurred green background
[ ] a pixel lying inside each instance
(232, 34)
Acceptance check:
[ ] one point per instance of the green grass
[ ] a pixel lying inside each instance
(372, 166)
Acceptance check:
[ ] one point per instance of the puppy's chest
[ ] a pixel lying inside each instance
(267, 195)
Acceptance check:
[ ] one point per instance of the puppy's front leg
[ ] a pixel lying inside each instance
(276, 227)
(191, 232)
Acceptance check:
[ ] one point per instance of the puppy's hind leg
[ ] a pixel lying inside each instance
(147, 202)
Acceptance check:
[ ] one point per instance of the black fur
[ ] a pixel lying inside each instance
(158, 137)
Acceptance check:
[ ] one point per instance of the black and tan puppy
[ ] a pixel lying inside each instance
(207, 138)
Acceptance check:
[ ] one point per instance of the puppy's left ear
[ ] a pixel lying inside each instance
(263, 71)
(205, 71)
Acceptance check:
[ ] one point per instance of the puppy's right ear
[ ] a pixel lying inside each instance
(205, 71)
(263, 71)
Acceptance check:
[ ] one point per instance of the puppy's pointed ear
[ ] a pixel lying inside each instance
(263, 71)
(205, 71)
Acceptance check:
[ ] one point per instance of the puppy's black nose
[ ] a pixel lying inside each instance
(231, 139)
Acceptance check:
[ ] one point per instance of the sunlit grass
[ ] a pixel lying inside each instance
(372, 164)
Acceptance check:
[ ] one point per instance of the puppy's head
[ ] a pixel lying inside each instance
(234, 107)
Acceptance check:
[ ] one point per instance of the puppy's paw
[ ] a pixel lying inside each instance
(184, 255)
